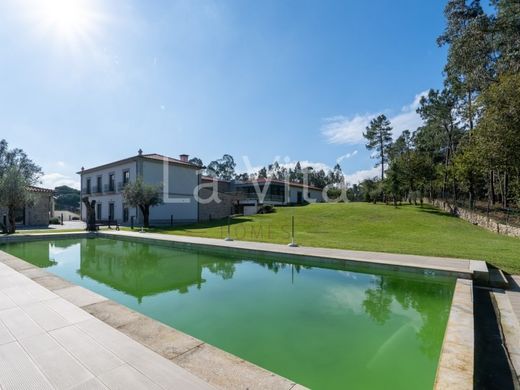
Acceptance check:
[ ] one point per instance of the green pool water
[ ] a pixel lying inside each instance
(324, 326)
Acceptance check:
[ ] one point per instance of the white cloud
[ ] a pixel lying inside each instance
(359, 176)
(53, 180)
(346, 156)
(345, 130)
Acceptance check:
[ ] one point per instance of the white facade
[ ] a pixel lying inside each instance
(178, 177)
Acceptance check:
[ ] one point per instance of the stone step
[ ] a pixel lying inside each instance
(497, 278)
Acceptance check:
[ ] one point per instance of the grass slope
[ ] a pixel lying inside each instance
(361, 226)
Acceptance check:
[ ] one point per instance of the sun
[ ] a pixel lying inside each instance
(72, 21)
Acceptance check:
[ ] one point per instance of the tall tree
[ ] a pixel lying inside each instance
(379, 137)
(196, 161)
(470, 64)
(437, 110)
(223, 168)
(506, 35)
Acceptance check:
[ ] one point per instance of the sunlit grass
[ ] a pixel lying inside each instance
(368, 227)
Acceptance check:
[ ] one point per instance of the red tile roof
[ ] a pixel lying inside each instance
(39, 189)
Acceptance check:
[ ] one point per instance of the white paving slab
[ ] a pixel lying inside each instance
(95, 357)
(5, 335)
(55, 362)
(45, 317)
(48, 342)
(18, 372)
(128, 378)
(80, 296)
(19, 323)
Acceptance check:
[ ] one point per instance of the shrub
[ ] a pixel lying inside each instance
(266, 209)
(54, 221)
(75, 218)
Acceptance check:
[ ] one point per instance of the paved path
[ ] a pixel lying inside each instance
(46, 342)
(461, 266)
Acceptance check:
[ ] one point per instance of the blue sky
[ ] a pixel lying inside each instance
(88, 82)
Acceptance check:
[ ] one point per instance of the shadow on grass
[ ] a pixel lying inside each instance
(203, 225)
(435, 211)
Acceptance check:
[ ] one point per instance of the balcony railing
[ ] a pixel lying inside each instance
(97, 190)
(110, 187)
(267, 198)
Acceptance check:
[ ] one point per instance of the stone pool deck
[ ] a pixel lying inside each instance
(47, 342)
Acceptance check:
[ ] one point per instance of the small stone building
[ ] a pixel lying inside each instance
(38, 212)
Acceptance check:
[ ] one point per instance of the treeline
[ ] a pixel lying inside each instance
(468, 148)
(224, 168)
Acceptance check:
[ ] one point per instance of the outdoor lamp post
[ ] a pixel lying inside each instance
(292, 243)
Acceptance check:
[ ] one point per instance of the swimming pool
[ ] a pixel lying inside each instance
(323, 325)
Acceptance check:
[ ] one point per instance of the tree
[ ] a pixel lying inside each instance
(242, 176)
(437, 110)
(506, 35)
(196, 161)
(144, 196)
(17, 157)
(90, 207)
(223, 168)
(470, 66)
(379, 137)
(497, 136)
(17, 172)
(14, 194)
(67, 198)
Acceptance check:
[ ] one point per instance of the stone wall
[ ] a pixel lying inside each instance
(214, 210)
(38, 213)
(480, 220)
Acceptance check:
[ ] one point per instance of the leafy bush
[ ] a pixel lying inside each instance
(54, 221)
(75, 218)
(266, 209)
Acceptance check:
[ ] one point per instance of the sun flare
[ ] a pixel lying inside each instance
(72, 21)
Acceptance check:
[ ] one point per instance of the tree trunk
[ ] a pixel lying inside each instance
(91, 213)
(146, 215)
(492, 188)
(11, 220)
(504, 192)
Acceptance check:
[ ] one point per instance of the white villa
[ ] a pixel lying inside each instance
(180, 179)
(105, 183)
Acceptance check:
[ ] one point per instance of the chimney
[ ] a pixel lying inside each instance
(184, 157)
(140, 152)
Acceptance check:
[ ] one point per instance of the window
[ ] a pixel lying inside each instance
(111, 182)
(99, 184)
(88, 189)
(126, 177)
(125, 214)
(98, 212)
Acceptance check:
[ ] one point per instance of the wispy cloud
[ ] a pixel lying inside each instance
(346, 156)
(53, 180)
(349, 130)
(359, 176)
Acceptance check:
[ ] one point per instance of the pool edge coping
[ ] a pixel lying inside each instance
(476, 269)
(225, 372)
(455, 369)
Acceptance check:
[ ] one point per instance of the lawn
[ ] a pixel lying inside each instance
(361, 226)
